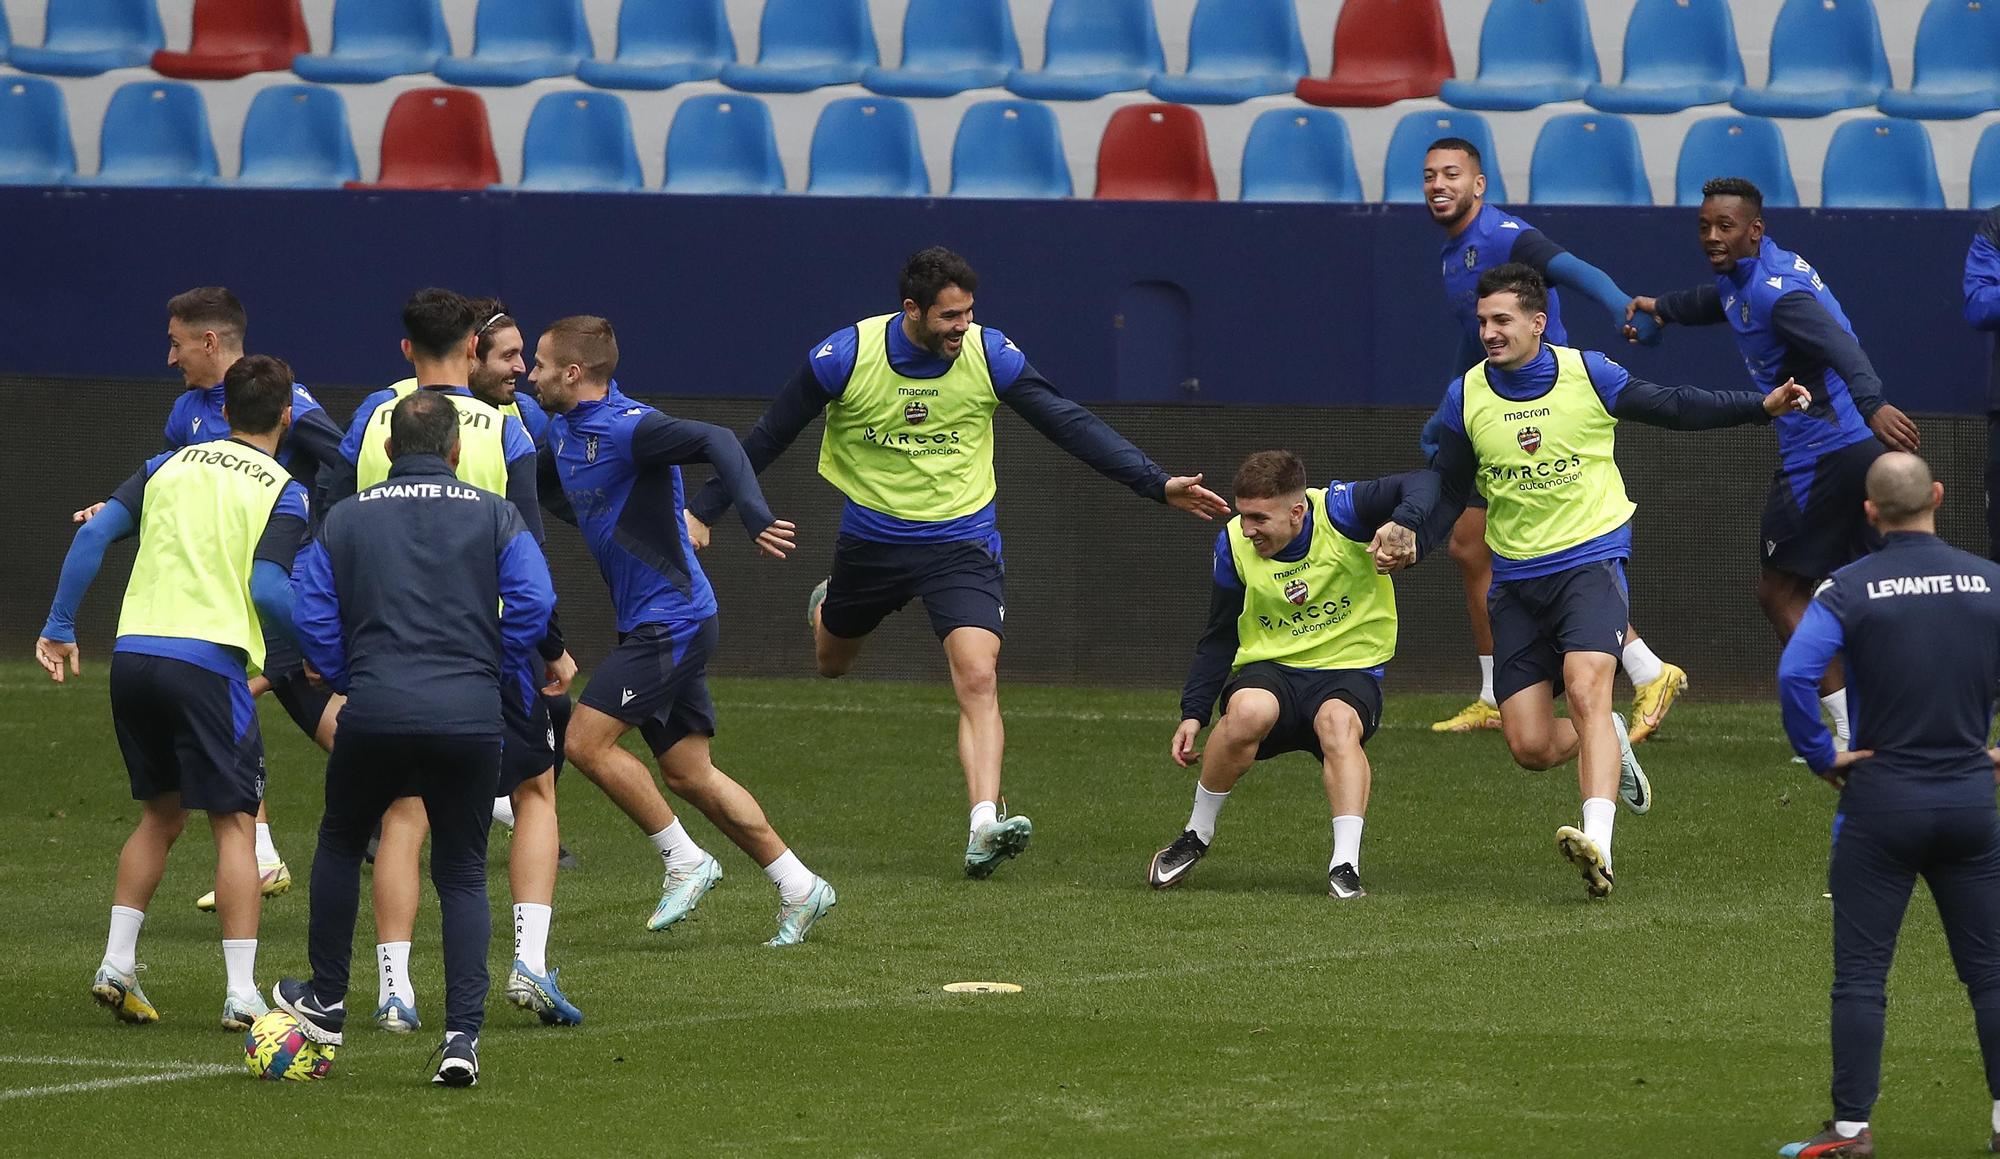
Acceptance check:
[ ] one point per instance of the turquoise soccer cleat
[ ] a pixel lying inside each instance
(1633, 787)
(397, 1016)
(994, 842)
(532, 991)
(795, 921)
(682, 889)
(240, 1010)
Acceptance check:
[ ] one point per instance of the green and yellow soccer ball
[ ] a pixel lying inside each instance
(276, 1049)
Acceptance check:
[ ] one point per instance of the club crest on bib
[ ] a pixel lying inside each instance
(915, 413)
(1296, 592)
(1472, 257)
(1530, 439)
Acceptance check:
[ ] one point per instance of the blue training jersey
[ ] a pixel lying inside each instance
(1489, 241)
(197, 418)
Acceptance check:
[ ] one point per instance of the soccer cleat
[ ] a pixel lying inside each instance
(240, 1010)
(277, 879)
(681, 890)
(1633, 787)
(460, 1065)
(1344, 882)
(1832, 1142)
(316, 1022)
(994, 842)
(1583, 853)
(532, 991)
(813, 602)
(794, 921)
(120, 992)
(1651, 702)
(1171, 864)
(1472, 718)
(397, 1016)
(565, 859)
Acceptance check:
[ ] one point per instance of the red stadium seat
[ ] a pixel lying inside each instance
(1155, 153)
(235, 38)
(436, 139)
(1383, 51)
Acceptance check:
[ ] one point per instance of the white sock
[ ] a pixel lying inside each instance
(984, 813)
(1207, 806)
(531, 936)
(267, 852)
(1346, 841)
(1486, 682)
(1847, 1129)
(790, 875)
(239, 958)
(1836, 707)
(1641, 666)
(676, 848)
(1598, 814)
(392, 964)
(121, 949)
(503, 812)
(1996, 1115)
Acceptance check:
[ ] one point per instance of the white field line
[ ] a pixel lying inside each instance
(158, 1073)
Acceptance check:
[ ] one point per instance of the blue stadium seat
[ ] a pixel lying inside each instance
(35, 146)
(1238, 49)
(1958, 63)
(1531, 53)
(516, 41)
(723, 144)
(1588, 159)
(807, 44)
(1009, 149)
(1882, 163)
(581, 143)
(1094, 48)
(156, 133)
(1678, 54)
(1299, 155)
(296, 137)
(867, 147)
(950, 46)
(1826, 55)
(374, 40)
(1403, 169)
(1748, 147)
(87, 37)
(1986, 169)
(6, 37)
(662, 43)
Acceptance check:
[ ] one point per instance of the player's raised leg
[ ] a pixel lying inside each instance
(1248, 715)
(1656, 684)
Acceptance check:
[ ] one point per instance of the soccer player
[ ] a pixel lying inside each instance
(909, 398)
(1532, 426)
(1982, 310)
(615, 464)
(1300, 624)
(1916, 790)
(218, 524)
(1790, 327)
(1479, 237)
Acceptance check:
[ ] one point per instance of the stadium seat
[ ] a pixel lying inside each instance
(374, 40)
(1531, 53)
(1986, 169)
(1588, 159)
(6, 37)
(296, 137)
(808, 44)
(580, 142)
(35, 146)
(516, 41)
(1299, 155)
(1155, 153)
(1678, 54)
(1748, 147)
(1879, 162)
(1826, 55)
(437, 139)
(867, 147)
(950, 46)
(1403, 168)
(662, 43)
(723, 144)
(87, 37)
(156, 133)
(1957, 63)
(1009, 149)
(234, 38)
(1384, 51)
(1237, 49)
(1094, 48)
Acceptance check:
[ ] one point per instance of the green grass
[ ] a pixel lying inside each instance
(1473, 1004)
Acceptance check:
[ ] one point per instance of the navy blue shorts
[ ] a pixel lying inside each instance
(1829, 530)
(303, 701)
(1536, 621)
(657, 680)
(959, 582)
(186, 730)
(1301, 693)
(529, 743)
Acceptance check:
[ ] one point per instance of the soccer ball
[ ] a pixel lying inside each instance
(276, 1049)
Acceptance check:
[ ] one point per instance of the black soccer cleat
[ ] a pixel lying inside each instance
(1171, 864)
(565, 859)
(317, 1022)
(1344, 882)
(460, 1065)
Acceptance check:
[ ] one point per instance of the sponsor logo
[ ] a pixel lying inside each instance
(1770, 547)
(1530, 439)
(214, 455)
(1310, 618)
(920, 392)
(1472, 257)
(825, 351)
(1296, 592)
(197, 426)
(1510, 225)
(914, 443)
(1518, 415)
(624, 698)
(915, 413)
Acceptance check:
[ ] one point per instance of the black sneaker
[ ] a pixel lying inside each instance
(316, 1022)
(1172, 863)
(565, 859)
(460, 1065)
(1344, 882)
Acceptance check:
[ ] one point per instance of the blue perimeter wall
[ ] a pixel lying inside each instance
(1114, 301)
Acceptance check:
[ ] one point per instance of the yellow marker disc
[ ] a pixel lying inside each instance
(981, 988)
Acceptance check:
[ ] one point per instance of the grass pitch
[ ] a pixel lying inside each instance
(1474, 1004)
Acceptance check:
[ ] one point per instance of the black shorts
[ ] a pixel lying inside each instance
(657, 679)
(959, 583)
(303, 701)
(529, 740)
(186, 730)
(1536, 621)
(1301, 692)
(1824, 530)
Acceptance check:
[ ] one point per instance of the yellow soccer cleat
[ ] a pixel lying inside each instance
(277, 879)
(120, 993)
(1651, 701)
(1471, 718)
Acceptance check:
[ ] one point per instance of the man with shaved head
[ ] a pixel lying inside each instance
(1918, 624)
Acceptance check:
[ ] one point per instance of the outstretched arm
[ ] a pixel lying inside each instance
(1566, 270)
(797, 405)
(660, 441)
(57, 644)
(1685, 408)
(1700, 306)
(1087, 437)
(1806, 325)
